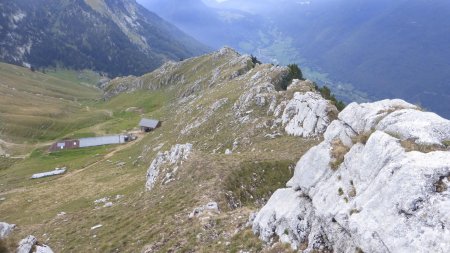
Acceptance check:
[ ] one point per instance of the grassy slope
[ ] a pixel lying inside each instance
(158, 219)
(37, 107)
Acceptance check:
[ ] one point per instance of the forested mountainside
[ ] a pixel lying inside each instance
(109, 36)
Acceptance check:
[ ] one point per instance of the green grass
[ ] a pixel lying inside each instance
(80, 134)
(38, 107)
(158, 218)
(146, 101)
(245, 240)
(446, 143)
(40, 161)
(84, 77)
(255, 182)
(127, 109)
(6, 162)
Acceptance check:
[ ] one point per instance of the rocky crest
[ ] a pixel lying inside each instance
(379, 182)
(246, 98)
(191, 75)
(257, 98)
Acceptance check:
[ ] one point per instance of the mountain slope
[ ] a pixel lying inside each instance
(217, 102)
(37, 107)
(229, 138)
(115, 37)
(365, 49)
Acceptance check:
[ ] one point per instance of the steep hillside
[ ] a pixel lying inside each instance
(224, 120)
(37, 107)
(115, 37)
(230, 137)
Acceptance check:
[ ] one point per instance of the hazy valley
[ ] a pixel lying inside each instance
(364, 50)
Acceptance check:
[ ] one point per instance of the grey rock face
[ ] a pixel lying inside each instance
(27, 244)
(374, 194)
(169, 161)
(6, 229)
(300, 111)
(307, 115)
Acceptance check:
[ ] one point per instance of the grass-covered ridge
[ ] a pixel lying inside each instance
(182, 95)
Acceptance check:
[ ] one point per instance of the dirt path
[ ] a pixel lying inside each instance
(73, 173)
(107, 156)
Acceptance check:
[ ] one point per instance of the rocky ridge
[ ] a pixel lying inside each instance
(257, 97)
(229, 138)
(379, 182)
(253, 104)
(217, 104)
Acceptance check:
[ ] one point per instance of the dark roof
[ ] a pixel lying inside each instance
(152, 123)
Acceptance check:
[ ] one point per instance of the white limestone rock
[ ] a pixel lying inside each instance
(259, 92)
(27, 244)
(300, 111)
(169, 160)
(363, 117)
(43, 249)
(307, 114)
(379, 199)
(6, 229)
(423, 127)
(96, 226)
(261, 95)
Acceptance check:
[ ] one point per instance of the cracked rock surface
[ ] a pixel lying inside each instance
(363, 189)
(168, 161)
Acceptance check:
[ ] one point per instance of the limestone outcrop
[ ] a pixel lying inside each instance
(307, 115)
(167, 162)
(6, 229)
(379, 182)
(30, 243)
(299, 111)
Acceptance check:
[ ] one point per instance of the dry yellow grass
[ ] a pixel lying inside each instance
(156, 220)
(338, 151)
